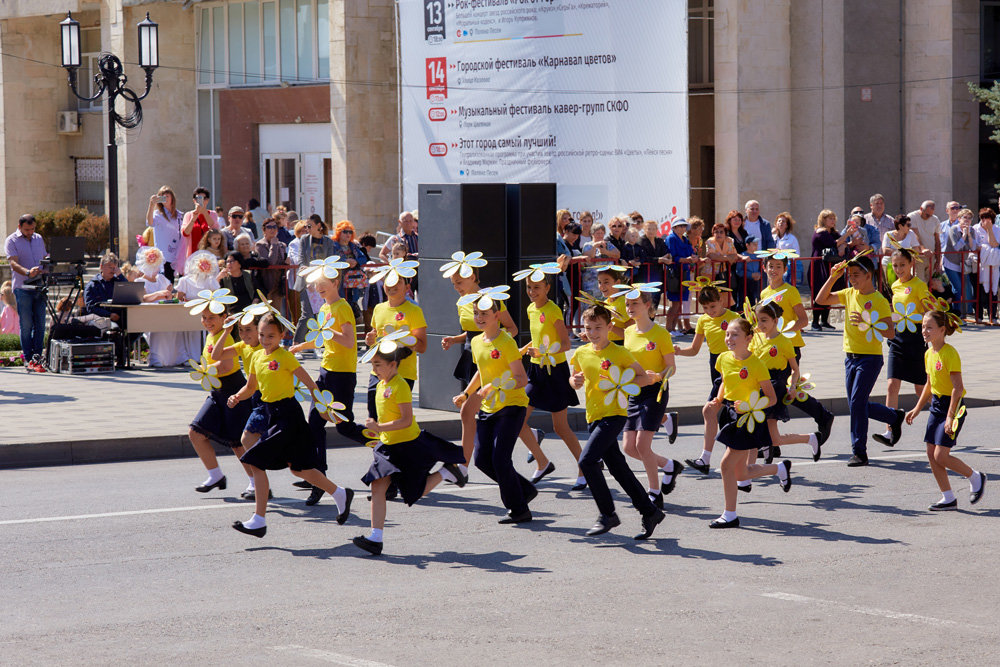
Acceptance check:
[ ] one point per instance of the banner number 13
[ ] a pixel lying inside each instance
(435, 13)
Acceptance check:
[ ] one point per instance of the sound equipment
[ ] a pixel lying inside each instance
(82, 356)
(531, 220)
(463, 216)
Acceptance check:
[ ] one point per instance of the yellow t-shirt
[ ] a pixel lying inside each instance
(275, 374)
(595, 364)
(339, 358)
(787, 301)
(857, 341)
(740, 378)
(388, 397)
(493, 359)
(774, 353)
(619, 318)
(940, 366)
(246, 353)
(467, 316)
(407, 314)
(543, 323)
(912, 291)
(648, 348)
(211, 340)
(714, 330)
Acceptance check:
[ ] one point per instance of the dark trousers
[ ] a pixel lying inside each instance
(986, 302)
(810, 406)
(496, 434)
(603, 445)
(31, 312)
(861, 372)
(342, 386)
(168, 271)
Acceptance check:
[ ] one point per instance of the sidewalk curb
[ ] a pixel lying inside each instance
(109, 450)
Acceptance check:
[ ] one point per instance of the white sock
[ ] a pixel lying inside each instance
(252, 485)
(654, 492)
(214, 475)
(743, 483)
(340, 497)
(814, 443)
(251, 488)
(669, 468)
(538, 473)
(376, 535)
(581, 480)
(947, 496)
(669, 423)
(782, 473)
(447, 476)
(975, 481)
(706, 457)
(728, 516)
(257, 521)
(464, 468)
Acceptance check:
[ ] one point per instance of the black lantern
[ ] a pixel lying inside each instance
(149, 44)
(70, 41)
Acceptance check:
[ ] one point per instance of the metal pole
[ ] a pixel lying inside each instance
(112, 175)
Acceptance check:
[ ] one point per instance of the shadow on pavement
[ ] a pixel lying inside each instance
(23, 398)
(496, 561)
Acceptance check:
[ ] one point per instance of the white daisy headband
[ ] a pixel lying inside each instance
(328, 268)
(633, 291)
(462, 264)
(388, 343)
(485, 297)
(215, 300)
(394, 270)
(247, 315)
(537, 272)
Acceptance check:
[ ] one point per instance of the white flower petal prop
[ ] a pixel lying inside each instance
(485, 297)
(800, 391)
(618, 385)
(302, 392)
(247, 315)
(634, 290)
(751, 412)
(777, 253)
(319, 329)
(373, 438)
(588, 299)
(201, 263)
(547, 351)
(906, 317)
(499, 386)
(149, 260)
(462, 264)
(325, 405)
(289, 327)
(537, 272)
(663, 385)
(871, 326)
(215, 300)
(388, 343)
(787, 329)
(205, 374)
(329, 268)
(394, 270)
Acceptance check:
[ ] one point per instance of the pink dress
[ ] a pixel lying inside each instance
(10, 323)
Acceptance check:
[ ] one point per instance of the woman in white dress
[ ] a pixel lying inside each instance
(200, 273)
(164, 347)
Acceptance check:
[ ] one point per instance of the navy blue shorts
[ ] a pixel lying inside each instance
(645, 413)
(547, 391)
(257, 423)
(739, 437)
(936, 421)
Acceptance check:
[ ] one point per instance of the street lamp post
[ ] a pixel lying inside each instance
(111, 79)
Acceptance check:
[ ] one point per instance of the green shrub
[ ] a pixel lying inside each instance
(64, 222)
(95, 229)
(10, 343)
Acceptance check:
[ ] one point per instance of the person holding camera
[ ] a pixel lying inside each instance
(163, 216)
(196, 224)
(25, 251)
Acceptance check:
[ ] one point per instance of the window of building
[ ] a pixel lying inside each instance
(90, 184)
(701, 42)
(989, 68)
(90, 53)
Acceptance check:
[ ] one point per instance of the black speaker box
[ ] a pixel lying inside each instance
(531, 219)
(463, 216)
(438, 297)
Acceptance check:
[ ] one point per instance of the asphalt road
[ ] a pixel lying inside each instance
(125, 563)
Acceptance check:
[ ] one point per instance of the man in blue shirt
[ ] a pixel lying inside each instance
(757, 226)
(101, 287)
(25, 250)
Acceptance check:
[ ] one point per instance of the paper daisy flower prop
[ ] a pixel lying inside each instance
(215, 300)
(942, 306)
(302, 392)
(394, 270)
(618, 385)
(701, 282)
(787, 329)
(587, 298)
(777, 253)
(634, 290)
(149, 259)
(957, 421)
(325, 405)
(748, 313)
(274, 311)
(485, 297)
(373, 438)
(751, 412)
(910, 252)
(871, 326)
(388, 343)
(547, 351)
(537, 272)
(247, 315)
(319, 329)
(863, 253)
(800, 392)
(329, 268)
(462, 264)
(906, 317)
(499, 386)
(205, 374)
(663, 385)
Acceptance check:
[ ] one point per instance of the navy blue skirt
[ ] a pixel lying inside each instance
(466, 366)
(287, 442)
(550, 392)
(936, 421)
(779, 380)
(645, 413)
(216, 420)
(257, 423)
(738, 437)
(715, 375)
(409, 463)
(906, 357)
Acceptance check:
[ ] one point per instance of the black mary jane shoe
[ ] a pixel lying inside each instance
(720, 523)
(578, 487)
(546, 471)
(657, 500)
(819, 446)
(672, 436)
(786, 483)
(252, 495)
(940, 506)
(314, 497)
(897, 426)
(883, 439)
(342, 517)
(523, 517)
(371, 546)
(667, 486)
(699, 465)
(976, 496)
(461, 478)
(825, 427)
(256, 532)
(205, 488)
(603, 524)
(745, 489)
(649, 524)
(302, 484)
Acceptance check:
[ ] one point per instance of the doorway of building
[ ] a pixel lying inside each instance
(292, 172)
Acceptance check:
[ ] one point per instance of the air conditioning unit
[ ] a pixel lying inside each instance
(69, 122)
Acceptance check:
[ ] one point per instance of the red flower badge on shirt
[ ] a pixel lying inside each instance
(779, 298)
(744, 373)
(273, 366)
(399, 317)
(724, 325)
(387, 393)
(868, 305)
(495, 354)
(541, 318)
(606, 364)
(938, 365)
(210, 347)
(773, 351)
(907, 290)
(650, 346)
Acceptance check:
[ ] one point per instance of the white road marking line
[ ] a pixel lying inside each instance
(104, 515)
(328, 656)
(867, 611)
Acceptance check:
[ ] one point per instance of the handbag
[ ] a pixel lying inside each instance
(830, 256)
(672, 279)
(355, 279)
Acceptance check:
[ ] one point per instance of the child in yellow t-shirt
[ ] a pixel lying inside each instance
(609, 374)
(945, 391)
(405, 454)
(287, 443)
